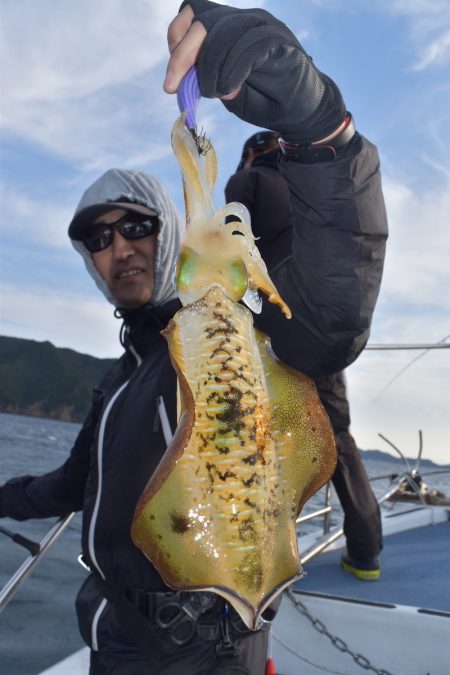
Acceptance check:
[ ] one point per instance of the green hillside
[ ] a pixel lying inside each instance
(41, 380)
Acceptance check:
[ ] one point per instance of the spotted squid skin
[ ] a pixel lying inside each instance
(220, 514)
(253, 441)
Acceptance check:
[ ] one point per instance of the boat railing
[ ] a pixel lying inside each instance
(40, 549)
(409, 475)
(329, 536)
(325, 512)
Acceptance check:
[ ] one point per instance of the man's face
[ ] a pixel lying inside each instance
(127, 266)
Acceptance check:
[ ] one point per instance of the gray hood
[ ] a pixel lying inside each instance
(135, 186)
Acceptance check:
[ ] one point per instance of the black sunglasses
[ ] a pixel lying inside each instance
(101, 235)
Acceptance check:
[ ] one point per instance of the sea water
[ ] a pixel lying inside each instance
(38, 627)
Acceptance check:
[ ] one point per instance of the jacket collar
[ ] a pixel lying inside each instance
(142, 326)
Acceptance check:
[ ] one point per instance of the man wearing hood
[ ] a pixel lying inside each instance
(128, 232)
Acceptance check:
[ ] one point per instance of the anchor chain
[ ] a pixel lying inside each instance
(336, 641)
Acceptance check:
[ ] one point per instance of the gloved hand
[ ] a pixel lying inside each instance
(280, 88)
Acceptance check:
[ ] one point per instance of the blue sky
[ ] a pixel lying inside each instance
(81, 92)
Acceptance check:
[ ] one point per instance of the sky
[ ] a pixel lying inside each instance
(81, 92)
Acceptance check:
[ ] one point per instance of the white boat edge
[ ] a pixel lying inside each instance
(75, 664)
(393, 639)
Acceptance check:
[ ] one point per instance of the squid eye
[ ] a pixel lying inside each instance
(232, 219)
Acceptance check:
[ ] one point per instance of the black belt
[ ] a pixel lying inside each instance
(158, 621)
(181, 615)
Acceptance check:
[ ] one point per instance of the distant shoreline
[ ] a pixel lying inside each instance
(376, 455)
(60, 415)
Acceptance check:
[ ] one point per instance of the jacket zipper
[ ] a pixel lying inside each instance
(92, 524)
(101, 436)
(95, 620)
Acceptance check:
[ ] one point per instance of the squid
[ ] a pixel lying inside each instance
(253, 441)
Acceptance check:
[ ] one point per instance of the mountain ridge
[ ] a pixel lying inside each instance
(41, 380)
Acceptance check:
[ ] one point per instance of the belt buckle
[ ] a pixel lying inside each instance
(171, 617)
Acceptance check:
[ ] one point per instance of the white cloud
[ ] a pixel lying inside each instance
(417, 268)
(68, 50)
(429, 8)
(438, 52)
(86, 325)
(87, 86)
(414, 307)
(428, 24)
(34, 221)
(418, 399)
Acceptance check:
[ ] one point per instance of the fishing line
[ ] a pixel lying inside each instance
(408, 365)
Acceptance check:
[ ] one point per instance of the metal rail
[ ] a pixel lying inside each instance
(21, 575)
(330, 536)
(419, 345)
(314, 514)
(326, 511)
(321, 545)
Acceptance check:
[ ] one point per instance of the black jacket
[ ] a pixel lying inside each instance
(331, 283)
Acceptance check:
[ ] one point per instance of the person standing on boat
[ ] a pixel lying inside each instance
(259, 184)
(128, 232)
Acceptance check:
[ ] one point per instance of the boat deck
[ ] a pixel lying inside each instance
(414, 572)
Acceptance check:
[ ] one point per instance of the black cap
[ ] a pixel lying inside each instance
(87, 216)
(258, 140)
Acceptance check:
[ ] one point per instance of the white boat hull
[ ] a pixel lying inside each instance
(401, 640)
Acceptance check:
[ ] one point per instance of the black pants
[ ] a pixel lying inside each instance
(362, 520)
(196, 658)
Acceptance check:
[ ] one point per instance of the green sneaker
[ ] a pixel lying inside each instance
(367, 570)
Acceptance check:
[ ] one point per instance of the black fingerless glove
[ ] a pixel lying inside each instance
(281, 89)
